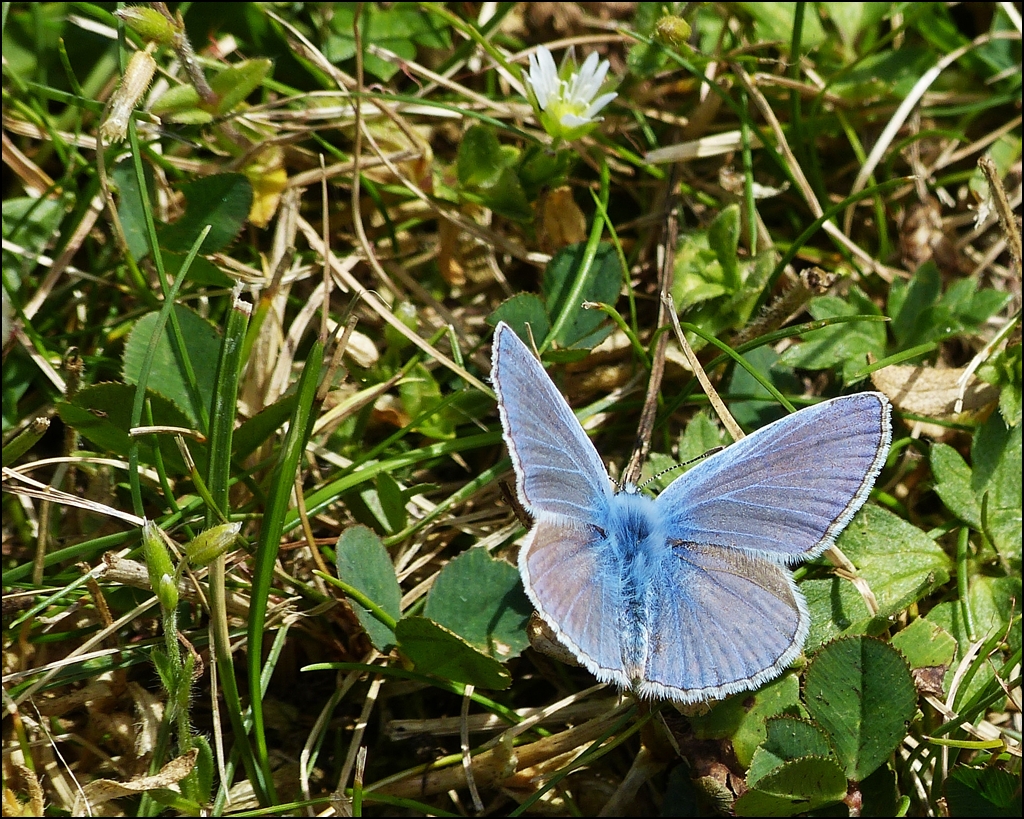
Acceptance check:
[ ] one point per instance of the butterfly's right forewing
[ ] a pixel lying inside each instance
(558, 471)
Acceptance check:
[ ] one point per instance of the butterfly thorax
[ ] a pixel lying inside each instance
(639, 544)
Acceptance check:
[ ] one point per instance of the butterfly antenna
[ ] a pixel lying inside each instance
(708, 454)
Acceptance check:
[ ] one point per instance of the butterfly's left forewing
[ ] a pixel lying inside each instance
(787, 490)
(558, 471)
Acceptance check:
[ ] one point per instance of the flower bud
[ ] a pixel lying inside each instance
(159, 566)
(148, 23)
(672, 31)
(134, 83)
(212, 543)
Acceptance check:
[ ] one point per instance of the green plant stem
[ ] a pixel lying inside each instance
(963, 581)
(269, 542)
(572, 299)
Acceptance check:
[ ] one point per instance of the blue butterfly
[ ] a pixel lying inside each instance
(686, 596)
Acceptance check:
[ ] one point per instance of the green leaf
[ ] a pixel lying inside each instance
(1004, 370)
(204, 769)
(480, 160)
(644, 60)
(836, 607)
(167, 376)
(786, 738)
(698, 272)
(253, 432)
(909, 302)
(164, 670)
(520, 310)
(102, 414)
(129, 206)
(487, 174)
(991, 601)
(365, 564)
(987, 497)
(851, 19)
(201, 271)
(762, 408)
(31, 223)
(482, 600)
(996, 480)
(796, 786)
(420, 394)
(925, 644)
(724, 241)
(994, 601)
(700, 437)
(841, 345)
(860, 691)
(970, 306)
(235, 83)
(741, 718)
(507, 198)
(879, 794)
(392, 500)
(17, 375)
(921, 313)
(397, 28)
(587, 328)
(898, 576)
(775, 21)
(180, 103)
(953, 484)
(379, 504)
(983, 792)
(222, 201)
(945, 35)
(541, 168)
(433, 649)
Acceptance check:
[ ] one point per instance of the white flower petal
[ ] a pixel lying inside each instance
(597, 78)
(573, 121)
(547, 63)
(600, 103)
(546, 76)
(543, 77)
(588, 82)
(589, 64)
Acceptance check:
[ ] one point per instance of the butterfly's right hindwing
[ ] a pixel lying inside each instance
(567, 575)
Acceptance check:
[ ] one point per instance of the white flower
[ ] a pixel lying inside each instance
(568, 107)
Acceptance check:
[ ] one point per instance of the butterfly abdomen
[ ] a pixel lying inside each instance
(638, 541)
